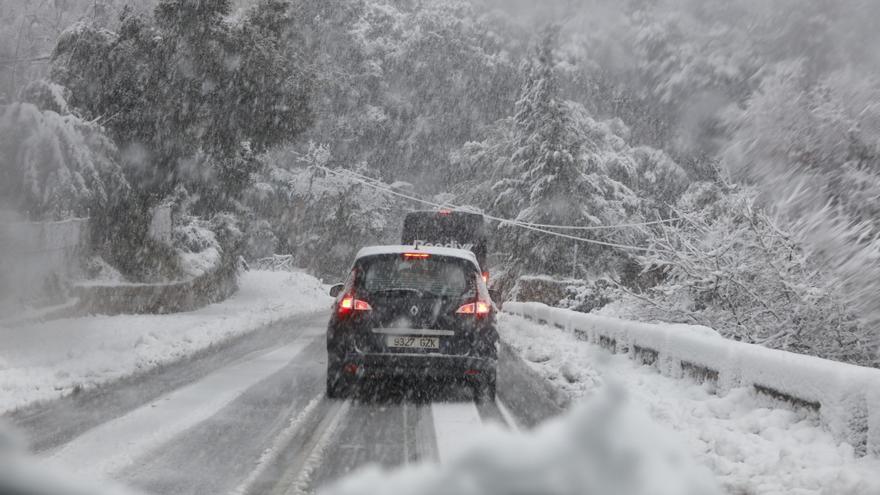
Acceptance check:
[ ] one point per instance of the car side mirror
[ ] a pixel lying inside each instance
(336, 289)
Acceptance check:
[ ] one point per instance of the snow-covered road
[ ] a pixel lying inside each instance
(248, 415)
(252, 418)
(259, 423)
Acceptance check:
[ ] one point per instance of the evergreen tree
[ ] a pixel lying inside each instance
(189, 95)
(561, 172)
(55, 166)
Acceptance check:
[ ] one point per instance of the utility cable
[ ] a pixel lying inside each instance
(539, 225)
(370, 182)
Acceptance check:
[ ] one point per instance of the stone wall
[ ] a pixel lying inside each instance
(172, 297)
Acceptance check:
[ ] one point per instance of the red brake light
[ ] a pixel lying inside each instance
(349, 304)
(444, 213)
(479, 308)
(420, 256)
(485, 276)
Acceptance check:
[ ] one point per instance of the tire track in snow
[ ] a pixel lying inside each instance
(454, 424)
(50, 425)
(114, 445)
(314, 450)
(284, 438)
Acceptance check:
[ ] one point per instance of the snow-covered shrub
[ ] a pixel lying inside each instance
(731, 265)
(226, 226)
(579, 295)
(203, 245)
(588, 297)
(47, 95)
(54, 166)
(192, 235)
(321, 218)
(200, 252)
(545, 289)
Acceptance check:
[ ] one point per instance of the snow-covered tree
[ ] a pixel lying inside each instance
(560, 180)
(188, 93)
(814, 147)
(28, 31)
(401, 84)
(551, 163)
(53, 165)
(732, 265)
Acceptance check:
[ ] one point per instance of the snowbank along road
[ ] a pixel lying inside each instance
(752, 443)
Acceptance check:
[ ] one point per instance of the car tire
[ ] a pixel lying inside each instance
(337, 385)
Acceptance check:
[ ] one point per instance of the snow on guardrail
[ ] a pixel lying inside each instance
(846, 397)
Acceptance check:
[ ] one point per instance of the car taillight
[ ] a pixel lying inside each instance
(479, 308)
(348, 304)
(485, 276)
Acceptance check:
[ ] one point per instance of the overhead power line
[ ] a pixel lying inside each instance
(604, 227)
(375, 184)
(520, 222)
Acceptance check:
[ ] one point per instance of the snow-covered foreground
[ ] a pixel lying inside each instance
(47, 360)
(604, 446)
(752, 444)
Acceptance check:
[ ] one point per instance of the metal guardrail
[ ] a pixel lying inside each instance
(845, 397)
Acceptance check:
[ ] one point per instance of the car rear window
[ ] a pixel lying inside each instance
(436, 275)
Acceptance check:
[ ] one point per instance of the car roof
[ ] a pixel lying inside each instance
(432, 250)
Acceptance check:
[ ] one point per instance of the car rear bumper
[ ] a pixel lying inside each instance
(421, 365)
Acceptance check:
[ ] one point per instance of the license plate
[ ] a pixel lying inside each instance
(409, 342)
